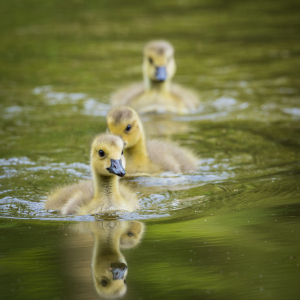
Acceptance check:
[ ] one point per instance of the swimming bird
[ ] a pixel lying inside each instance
(150, 157)
(157, 94)
(103, 193)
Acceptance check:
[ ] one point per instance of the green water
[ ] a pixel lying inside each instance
(229, 231)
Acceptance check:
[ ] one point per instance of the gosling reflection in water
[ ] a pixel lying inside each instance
(109, 265)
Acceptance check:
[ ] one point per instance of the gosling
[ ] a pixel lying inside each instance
(152, 157)
(103, 193)
(157, 94)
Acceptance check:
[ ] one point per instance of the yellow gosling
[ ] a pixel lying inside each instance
(157, 94)
(102, 194)
(150, 157)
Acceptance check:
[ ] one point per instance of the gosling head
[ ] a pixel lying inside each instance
(107, 155)
(123, 121)
(159, 64)
(132, 236)
(110, 277)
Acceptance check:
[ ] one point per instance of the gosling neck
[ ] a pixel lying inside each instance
(106, 189)
(107, 247)
(106, 243)
(138, 151)
(160, 86)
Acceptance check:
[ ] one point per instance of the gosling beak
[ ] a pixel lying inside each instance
(161, 73)
(118, 270)
(116, 168)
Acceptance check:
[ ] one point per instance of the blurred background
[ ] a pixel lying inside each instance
(230, 231)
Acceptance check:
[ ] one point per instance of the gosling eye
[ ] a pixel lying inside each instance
(128, 128)
(150, 60)
(101, 153)
(130, 234)
(122, 152)
(125, 281)
(104, 282)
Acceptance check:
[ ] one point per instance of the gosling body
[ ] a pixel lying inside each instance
(104, 193)
(157, 94)
(152, 157)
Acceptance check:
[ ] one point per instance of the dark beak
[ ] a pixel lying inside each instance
(161, 73)
(116, 168)
(118, 270)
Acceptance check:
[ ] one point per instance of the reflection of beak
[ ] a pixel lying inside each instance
(116, 168)
(161, 73)
(118, 270)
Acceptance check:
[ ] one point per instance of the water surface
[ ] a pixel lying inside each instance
(230, 230)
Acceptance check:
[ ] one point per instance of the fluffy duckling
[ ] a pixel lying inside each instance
(157, 94)
(147, 157)
(102, 194)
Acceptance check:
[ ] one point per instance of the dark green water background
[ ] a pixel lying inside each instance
(230, 231)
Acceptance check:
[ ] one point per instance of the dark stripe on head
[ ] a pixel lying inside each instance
(108, 139)
(160, 47)
(119, 115)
